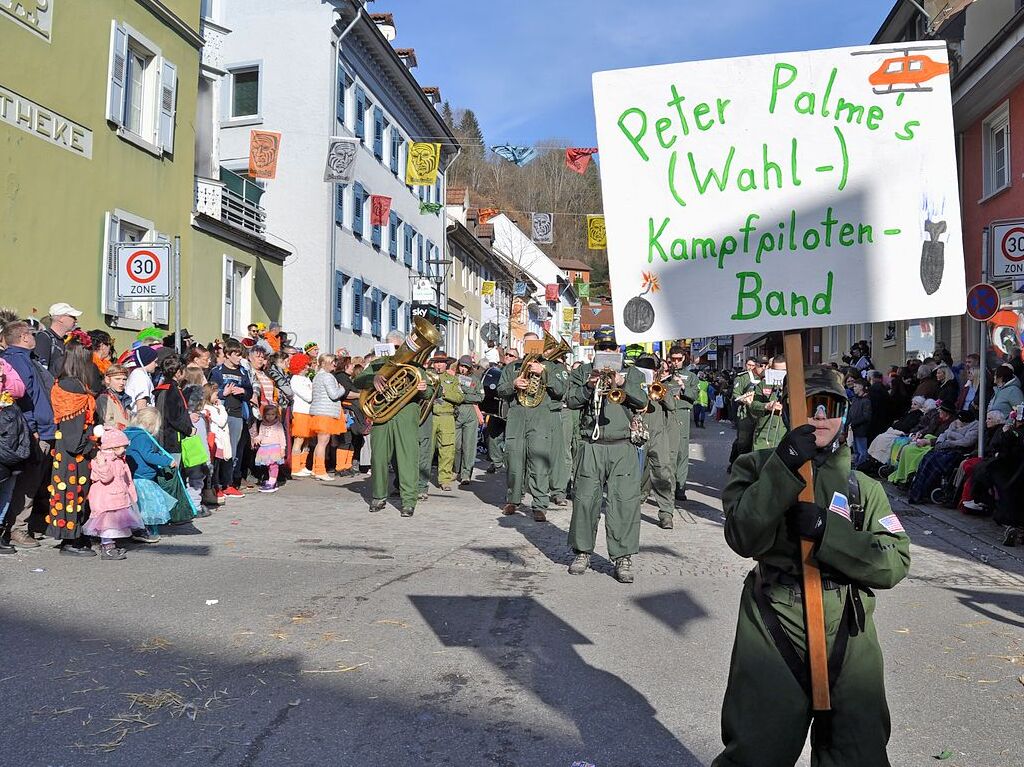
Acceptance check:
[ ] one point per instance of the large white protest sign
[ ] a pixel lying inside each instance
(783, 191)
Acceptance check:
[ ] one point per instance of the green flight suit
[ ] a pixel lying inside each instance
(561, 456)
(769, 427)
(608, 463)
(571, 435)
(661, 450)
(745, 422)
(442, 436)
(425, 448)
(528, 436)
(467, 427)
(393, 442)
(766, 712)
(687, 383)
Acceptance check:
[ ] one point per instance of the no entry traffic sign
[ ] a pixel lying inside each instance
(983, 301)
(143, 271)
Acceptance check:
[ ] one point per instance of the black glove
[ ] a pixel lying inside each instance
(806, 520)
(797, 447)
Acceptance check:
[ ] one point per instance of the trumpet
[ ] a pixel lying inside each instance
(605, 388)
(657, 391)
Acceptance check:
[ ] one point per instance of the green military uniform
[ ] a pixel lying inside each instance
(661, 451)
(467, 426)
(687, 383)
(425, 448)
(393, 441)
(769, 427)
(745, 422)
(528, 436)
(561, 455)
(766, 711)
(571, 435)
(442, 437)
(609, 463)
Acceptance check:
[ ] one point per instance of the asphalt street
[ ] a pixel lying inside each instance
(300, 630)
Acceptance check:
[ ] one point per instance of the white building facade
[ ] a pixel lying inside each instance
(324, 68)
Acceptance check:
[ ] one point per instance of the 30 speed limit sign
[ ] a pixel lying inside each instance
(143, 271)
(1008, 249)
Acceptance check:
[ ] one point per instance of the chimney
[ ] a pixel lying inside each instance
(433, 94)
(386, 24)
(408, 56)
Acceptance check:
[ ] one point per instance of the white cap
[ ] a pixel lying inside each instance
(64, 309)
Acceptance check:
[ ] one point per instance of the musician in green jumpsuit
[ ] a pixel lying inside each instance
(528, 433)
(393, 443)
(860, 546)
(467, 420)
(442, 438)
(560, 447)
(660, 452)
(607, 461)
(742, 394)
(768, 408)
(687, 394)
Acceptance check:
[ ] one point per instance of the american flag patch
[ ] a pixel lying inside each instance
(892, 524)
(840, 505)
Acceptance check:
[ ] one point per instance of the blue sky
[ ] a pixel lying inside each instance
(524, 67)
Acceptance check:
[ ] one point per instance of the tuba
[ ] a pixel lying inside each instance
(554, 350)
(401, 374)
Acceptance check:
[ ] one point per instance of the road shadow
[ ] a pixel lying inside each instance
(675, 609)
(501, 555)
(547, 539)
(537, 651)
(990, 604)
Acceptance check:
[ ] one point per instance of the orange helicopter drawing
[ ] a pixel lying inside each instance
(905, 73)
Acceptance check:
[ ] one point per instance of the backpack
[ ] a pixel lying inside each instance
(15, 442)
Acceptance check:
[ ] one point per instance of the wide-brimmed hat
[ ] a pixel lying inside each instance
(441, 357)
(466, 360)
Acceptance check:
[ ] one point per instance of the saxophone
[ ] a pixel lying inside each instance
(401, 374)
(536, 383)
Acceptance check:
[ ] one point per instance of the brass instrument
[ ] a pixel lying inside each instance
(657, 391)
(554, 350)
(605, 388)
(401, 374)
(427, 405)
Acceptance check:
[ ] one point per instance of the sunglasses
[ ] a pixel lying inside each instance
(826, 405)
(676, 359)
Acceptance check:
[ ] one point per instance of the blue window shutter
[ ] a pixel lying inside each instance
(408, 232)
(408, 316)
(375, 236)
(378, 133)
(357, 209)
(339, 204)
(396, 142)
(339, 287)
(360, 129)
(419, 253)
(393, 234)
(437, 193)
(375, 313)
(392, 313)
(339, 111)
(357, 305)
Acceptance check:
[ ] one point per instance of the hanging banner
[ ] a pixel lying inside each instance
(583, 289)
(380, 207)
(341, 160)
(486, 214)
(422, 164)
(779, 192)
(551, 292)
(568, 315)
(264, 146)
(520, 155)
(430, 207)
(519, 289)
(487, 288)
(597, 239)
(578, 158)
(543, 228)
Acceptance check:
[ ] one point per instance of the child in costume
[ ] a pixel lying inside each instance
(219, 440)
(145, 459)
(270, 446)
(112, 495)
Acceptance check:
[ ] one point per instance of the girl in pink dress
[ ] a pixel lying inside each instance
(112, 496)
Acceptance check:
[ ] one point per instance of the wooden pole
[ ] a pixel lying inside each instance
(814, 608)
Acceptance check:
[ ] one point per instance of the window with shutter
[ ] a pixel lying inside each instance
(108, 288)
(375, 236)
(375, 313)
(357, 305)
(357, 209)
(228, 283)
(339, 110)
(396, 143)
(339, 297)
(393, 224)
(118, 68)
(392, 314)
(360, 129)
(419, 253)
(437, 193)
(168, 95)
(339, 204)
(378, 133)
(410, 235)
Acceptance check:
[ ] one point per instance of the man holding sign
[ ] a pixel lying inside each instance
(781, 192)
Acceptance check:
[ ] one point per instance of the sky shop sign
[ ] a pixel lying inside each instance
(24, 114)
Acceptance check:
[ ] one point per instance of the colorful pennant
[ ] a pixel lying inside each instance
(520, 155)
(341, 160)
(487, 288)
(422, 164)
(582, 289)
(380, 207)
(486, 214)
(430, 207)
(551, 292)
(543, 228)
(264, 146)
(597, 238)
(568, 315)
(578, 158)
(519, 289)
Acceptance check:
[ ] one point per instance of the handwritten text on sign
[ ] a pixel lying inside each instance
(781, 191)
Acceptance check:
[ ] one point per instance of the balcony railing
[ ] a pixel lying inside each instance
(218, 200)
